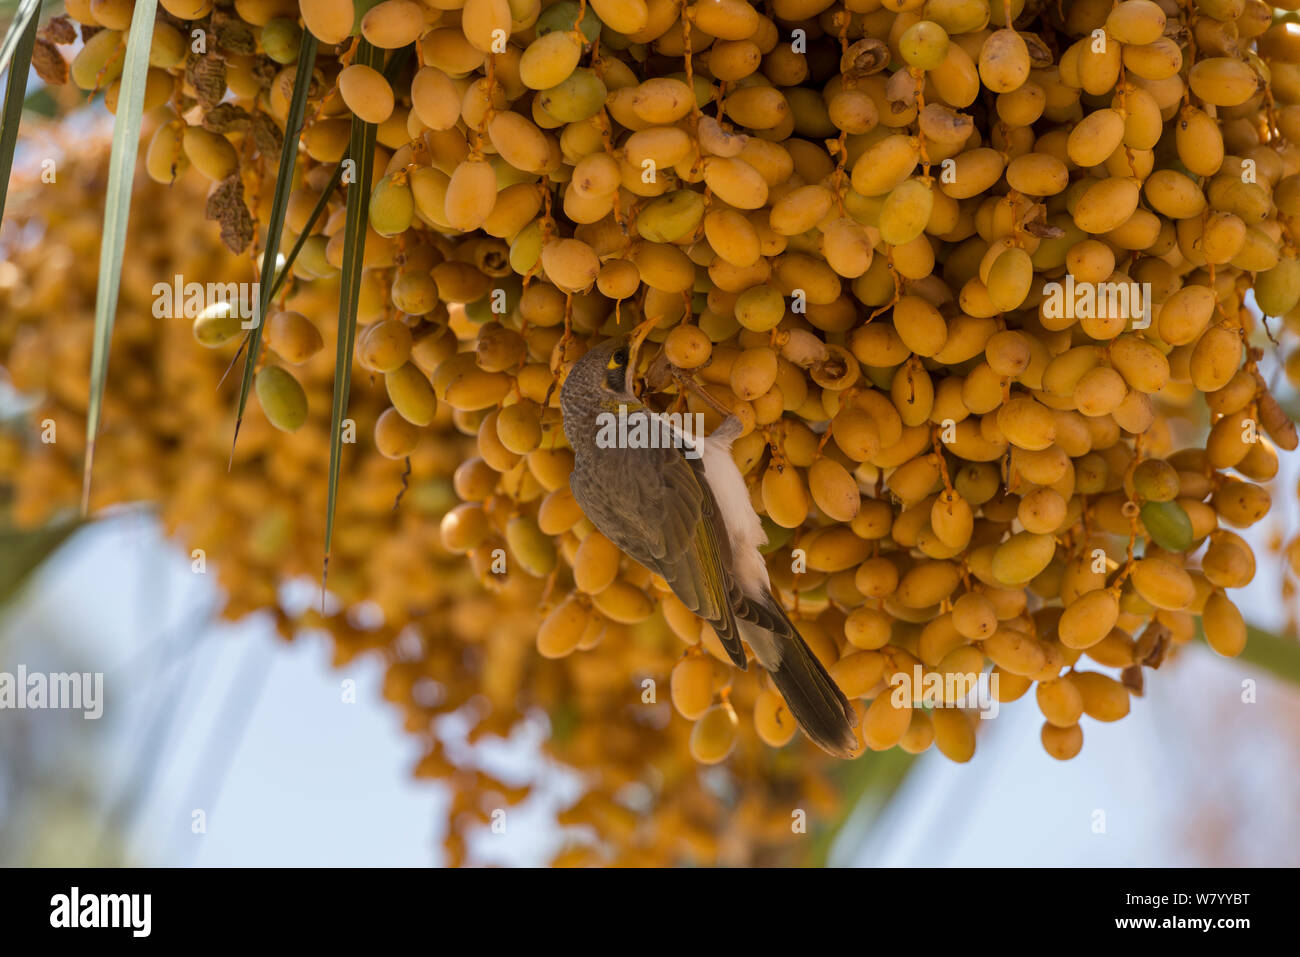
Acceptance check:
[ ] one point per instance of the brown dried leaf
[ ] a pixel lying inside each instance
(226, 205)
(232, 34)
(49, 63)
(267, 135)
(1131, 678)
(265, 71)
(225, 117)
(58, 30)
(207, 75)
(1152, 644)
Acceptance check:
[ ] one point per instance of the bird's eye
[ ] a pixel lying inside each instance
(618, 359)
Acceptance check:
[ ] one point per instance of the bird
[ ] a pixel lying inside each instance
(684, 512)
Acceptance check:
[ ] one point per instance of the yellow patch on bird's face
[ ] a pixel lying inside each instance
(616, 371)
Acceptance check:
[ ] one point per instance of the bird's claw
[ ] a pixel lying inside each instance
(687, 381)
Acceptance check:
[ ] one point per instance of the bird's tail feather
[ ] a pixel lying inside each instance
(816, 702)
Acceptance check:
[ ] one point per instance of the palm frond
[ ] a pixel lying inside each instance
(362, 149)
(16, 51)
(270, 282)
(117, 211)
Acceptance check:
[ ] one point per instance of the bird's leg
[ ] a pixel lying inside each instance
(659, 373)
(639, 334)
(686, 380)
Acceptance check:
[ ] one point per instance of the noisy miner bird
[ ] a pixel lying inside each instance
(689, 520)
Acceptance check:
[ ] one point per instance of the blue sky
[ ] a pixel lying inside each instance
(259, 736)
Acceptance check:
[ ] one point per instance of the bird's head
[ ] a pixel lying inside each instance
(603, 373)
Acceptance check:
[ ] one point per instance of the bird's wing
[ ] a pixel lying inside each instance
(662, 513)
(766, 614)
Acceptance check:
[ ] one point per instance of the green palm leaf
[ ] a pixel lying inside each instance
(117, 211)
(25, 17)
(1276, 653)
(23, 551)
(270, 282)
(17, 48)
(362, 149)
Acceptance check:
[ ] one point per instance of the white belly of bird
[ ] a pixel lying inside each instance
(746, 535)
(744, 529)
